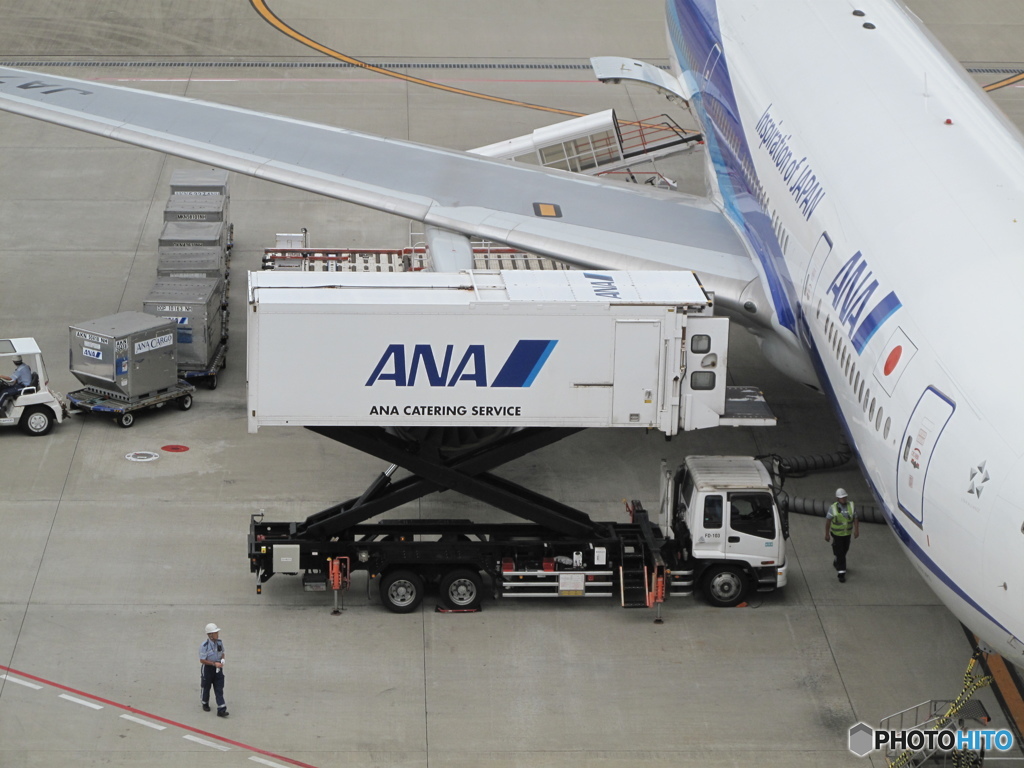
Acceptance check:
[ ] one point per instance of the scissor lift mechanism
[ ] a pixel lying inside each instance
(436, 549)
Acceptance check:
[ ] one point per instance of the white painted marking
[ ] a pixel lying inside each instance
(83, 702)
(146, 723)
(206, 743)
(22, 682)
(271, 763)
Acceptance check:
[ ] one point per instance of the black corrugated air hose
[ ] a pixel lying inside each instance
(792, 466)
(867, 513)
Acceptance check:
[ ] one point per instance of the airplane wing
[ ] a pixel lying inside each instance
(583, 220)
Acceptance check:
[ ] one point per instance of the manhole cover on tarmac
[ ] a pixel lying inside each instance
(142, 456)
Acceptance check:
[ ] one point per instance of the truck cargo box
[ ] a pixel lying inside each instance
(202, 234)
(517, 348)
(125, 356)
(195, 307)
(197, 183)
(196, 208)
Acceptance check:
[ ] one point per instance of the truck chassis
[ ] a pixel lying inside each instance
(558, 552)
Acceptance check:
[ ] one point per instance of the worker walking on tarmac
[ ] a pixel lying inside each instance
(211, 657)
(840, 522)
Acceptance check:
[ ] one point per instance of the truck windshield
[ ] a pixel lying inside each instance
(753, 514)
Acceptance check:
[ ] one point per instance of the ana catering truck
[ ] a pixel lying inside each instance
(451, 375)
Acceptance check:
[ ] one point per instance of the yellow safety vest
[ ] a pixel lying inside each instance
(842, 520)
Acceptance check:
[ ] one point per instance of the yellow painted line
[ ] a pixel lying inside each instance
(261, 7)
(1005, 82)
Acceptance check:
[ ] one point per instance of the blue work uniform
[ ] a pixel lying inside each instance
(22, 378)
(212, 650)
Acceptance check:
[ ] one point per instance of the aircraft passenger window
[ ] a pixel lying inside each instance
(700, 343)
(871, 410)
(701, 381)
(860, 395)
(713, 512)
(906, 448)
(878, 419)
(751, 513)
(885, 432)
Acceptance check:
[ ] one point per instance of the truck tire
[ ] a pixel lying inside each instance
(37, 420)
(724, 586)
(401, 591)
(461, 589)
(126, 419)
(185, 402)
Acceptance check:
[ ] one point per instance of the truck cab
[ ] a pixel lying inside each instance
(34, 408)
(727, 525)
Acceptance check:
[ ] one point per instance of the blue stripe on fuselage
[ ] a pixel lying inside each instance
(902, 534)
(697, 40)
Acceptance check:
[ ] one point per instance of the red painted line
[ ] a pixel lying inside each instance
(174, 723)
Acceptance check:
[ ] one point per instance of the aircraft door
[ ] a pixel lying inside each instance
(821, 252)
(636, 373)
(712, 61)
(751, 532)
(929, 418)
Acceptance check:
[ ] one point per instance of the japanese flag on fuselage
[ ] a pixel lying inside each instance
(899, 351)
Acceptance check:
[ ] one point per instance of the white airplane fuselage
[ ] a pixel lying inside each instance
(880, 193)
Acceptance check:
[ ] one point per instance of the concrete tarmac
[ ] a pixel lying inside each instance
(111, 568)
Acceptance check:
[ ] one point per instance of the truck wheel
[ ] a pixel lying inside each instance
(211, 381)
(401, 591)
(725, 586)
(126, 419)
(37, 420)
(461, 589)
(185, 402)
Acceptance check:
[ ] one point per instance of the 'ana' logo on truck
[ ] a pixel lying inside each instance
(852, 290)
(604, 285)
(519, 369)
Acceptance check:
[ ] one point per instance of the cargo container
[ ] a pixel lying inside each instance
(192, 208)
(196, 307)
(202, 234)
(125, 357)
(190, 263)
(212, 181)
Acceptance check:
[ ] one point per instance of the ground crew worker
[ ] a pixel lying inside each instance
(840, 522)
(211, 657)
(11, 386)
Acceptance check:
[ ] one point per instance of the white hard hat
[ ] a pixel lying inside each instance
(211, 628)
(840, 494)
